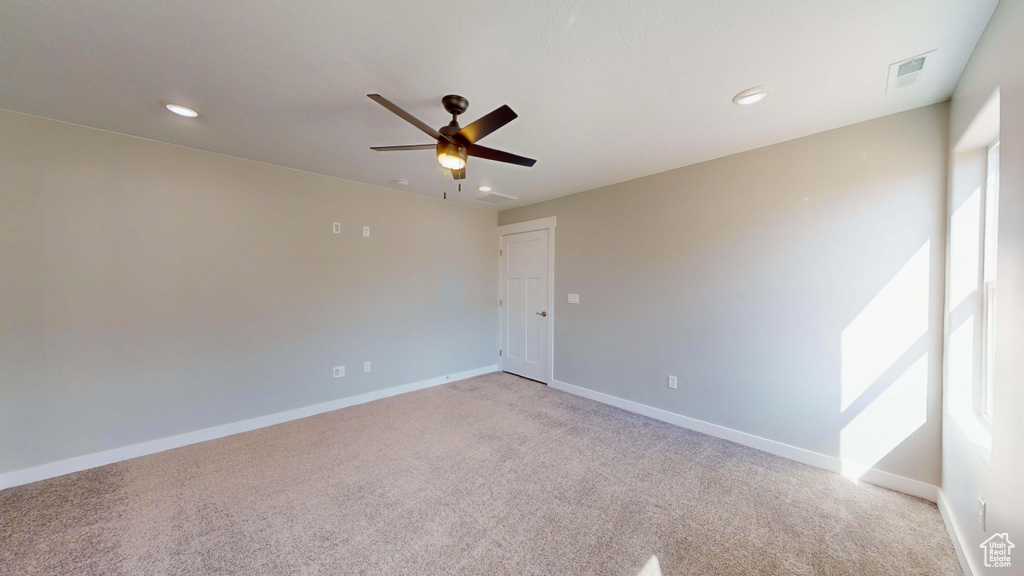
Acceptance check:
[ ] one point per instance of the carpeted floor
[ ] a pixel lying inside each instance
(493, 475)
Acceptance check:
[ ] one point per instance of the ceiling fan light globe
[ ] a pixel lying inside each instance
(451, 156)
(451, 162)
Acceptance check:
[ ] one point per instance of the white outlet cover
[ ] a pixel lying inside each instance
(672, 382)
(366, 230)
(339, 371)
(574, 298)
(337, 227)
(366, 366)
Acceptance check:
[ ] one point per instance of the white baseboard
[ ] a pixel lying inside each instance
(966, 564)
(78, 463)
(830, 463)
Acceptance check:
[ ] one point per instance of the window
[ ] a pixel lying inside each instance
(988, 271)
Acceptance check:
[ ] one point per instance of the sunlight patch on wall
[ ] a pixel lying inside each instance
(887, 327)
(889, 420)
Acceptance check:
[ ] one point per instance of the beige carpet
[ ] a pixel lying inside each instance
(494, 475)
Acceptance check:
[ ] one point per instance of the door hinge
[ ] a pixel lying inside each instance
(501, 303)
(499, 352)
(501, 252)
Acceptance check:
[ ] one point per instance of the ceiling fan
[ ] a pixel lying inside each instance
(454, 143)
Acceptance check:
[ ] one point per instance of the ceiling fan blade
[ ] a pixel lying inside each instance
(498, 155)
(405, 115)
(459, 174)
(408, 147)
(486, 124)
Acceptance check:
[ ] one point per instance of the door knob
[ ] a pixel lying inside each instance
(544, 313)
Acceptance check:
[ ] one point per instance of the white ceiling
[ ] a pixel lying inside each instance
(606, 91)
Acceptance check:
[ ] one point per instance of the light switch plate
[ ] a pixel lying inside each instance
(339, 371)
(366, 366)
(574, 298)
(672, 382)
(337, 227)
(366, 230)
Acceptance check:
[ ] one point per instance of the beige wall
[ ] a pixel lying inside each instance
(975, 465)
(149, 290)
(795, 290)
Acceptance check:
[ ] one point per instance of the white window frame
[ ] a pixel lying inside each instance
(990, 247)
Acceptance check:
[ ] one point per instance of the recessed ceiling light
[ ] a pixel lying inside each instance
(750, 96)
(484, 188)
(182, 110)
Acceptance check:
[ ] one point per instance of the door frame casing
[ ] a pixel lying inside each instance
(532, 226)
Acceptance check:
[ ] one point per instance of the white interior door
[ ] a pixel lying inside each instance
(525, 311)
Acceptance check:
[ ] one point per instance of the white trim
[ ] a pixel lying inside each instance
(528, 226)
(966, 563)
(548, 224)
(79, 463)
(830, 463)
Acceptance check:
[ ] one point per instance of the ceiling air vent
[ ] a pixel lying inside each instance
(906, 73)
(495, 198)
